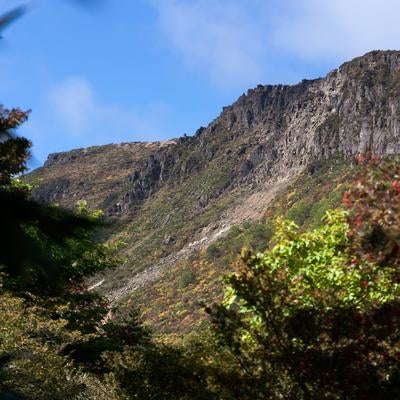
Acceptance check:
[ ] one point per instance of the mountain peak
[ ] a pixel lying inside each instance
(171, 198)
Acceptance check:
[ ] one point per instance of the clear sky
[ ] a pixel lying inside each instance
(131, 70)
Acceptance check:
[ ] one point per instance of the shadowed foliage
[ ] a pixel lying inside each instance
(317, 315)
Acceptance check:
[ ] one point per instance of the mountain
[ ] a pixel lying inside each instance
(287, 148)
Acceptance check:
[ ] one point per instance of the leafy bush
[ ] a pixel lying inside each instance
(316, 316)
(213, 251)
(300, 212)
(187, 277)
(257, 235)
(158, 372)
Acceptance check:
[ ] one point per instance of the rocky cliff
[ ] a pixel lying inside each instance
(273, 128)
(170, 198)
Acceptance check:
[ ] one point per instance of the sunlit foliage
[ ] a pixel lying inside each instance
(316, 316)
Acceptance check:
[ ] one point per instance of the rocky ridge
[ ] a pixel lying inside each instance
(190, 188)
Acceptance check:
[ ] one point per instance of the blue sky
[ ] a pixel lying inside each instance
(133, 70)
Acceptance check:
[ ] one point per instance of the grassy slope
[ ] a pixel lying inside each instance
(173, 210)
(96, 174)
(172, 306)
(99, 175)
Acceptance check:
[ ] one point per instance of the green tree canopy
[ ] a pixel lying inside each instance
(316, 316)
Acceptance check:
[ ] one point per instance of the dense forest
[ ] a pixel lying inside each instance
(314, 316)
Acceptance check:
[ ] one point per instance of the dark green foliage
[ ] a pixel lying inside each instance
(13, 153)
(300, 212)
(213, 251)
(158, 372)
(40, 246)
(317, 316)
(187, 277)
(46, 254)
(38, 243)
(113, 336)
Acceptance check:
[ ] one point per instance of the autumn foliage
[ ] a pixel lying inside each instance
(374, 201)
(317, 315)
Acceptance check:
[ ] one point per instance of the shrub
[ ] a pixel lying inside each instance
(213, 251)
(187, 277)
(300, 212)
(317, 315)
(257, 235)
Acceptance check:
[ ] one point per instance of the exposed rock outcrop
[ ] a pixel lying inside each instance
(165, 194)
(355, 109)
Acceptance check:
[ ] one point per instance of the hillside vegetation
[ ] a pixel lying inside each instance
(171, 203)
(313, 316)
(258, 259)
(173, 305)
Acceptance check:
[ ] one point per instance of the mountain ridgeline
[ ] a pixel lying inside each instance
(171, 200)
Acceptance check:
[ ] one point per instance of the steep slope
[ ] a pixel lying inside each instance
(170, 200)
(172, 305)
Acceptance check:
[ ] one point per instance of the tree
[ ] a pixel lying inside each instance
(151, 371)
(30, 352)
(46, 253)
(54, 340)
(317, 315)
(28, 228)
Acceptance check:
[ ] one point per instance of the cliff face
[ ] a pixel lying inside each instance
(354, 109)
(172, 196)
